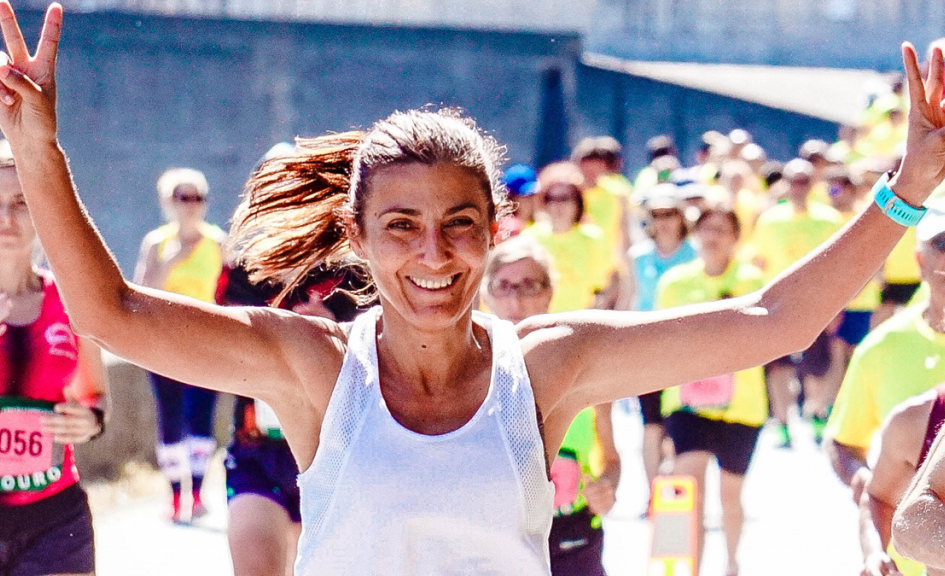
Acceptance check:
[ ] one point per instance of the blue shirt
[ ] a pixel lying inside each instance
(649, 266)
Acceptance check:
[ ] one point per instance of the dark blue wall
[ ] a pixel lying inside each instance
(140, 94)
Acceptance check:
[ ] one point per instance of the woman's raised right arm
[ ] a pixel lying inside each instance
(255, 352)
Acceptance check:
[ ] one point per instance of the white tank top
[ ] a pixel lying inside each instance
(380, 499)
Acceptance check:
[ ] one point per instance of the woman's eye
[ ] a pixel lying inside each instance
(400, 225)
(460, 222)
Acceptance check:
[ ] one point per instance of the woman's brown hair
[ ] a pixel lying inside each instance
(292, 216)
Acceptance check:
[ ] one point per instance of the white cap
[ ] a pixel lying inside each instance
(933, 223)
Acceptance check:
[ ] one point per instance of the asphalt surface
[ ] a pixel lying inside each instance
(799, 519)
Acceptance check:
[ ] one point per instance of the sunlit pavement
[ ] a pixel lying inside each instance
(799, 520)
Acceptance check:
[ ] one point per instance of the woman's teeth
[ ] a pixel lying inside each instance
(433, 284)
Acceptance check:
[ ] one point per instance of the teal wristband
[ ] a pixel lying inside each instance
(898, 210)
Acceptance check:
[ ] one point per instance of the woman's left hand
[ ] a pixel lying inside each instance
(923, 165)
(72, 422)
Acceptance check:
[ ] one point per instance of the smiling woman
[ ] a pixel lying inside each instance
(428, 417)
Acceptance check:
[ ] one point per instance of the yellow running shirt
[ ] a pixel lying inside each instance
(899, 359)
(783, 236)
(868, 298)
(583, 263)
(901, 265)
(197, 275)
(689, 284)
(605, 205)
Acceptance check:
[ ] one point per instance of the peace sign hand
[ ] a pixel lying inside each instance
(28, 83)
(923, 166)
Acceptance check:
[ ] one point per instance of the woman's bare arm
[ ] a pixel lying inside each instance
(256, 352)
(587, 358)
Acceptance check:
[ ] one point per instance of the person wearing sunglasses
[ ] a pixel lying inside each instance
(183, 256)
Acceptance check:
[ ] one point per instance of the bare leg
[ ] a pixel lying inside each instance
(694, 464)
(260, 537)
(653, 435)
(779, 379)
(733, 516)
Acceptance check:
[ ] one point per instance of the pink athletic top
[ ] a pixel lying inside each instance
(47, 357)
(936, 417)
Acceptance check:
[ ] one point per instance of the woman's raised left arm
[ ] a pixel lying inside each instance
(587, 358)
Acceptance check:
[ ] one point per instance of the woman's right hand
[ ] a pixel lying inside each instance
(28, 83)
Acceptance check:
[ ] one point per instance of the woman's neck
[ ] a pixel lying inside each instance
(432, 360)
(666, 245)
(561, 226)
(715, 266)
(17, 276)
(187, 230)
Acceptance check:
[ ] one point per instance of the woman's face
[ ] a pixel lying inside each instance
(425, 232)
(518, 290)
(187, 205)
(717, 238)
(16, 228)
(667, 224)
(561, 204)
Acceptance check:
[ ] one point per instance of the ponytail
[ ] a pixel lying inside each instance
(291, 217)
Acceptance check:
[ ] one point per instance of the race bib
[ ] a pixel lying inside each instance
(566, 476)
(713, 392)
(29, 459)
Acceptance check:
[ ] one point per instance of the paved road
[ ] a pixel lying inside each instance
(800, 520)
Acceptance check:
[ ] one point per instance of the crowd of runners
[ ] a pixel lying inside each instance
(407, 404)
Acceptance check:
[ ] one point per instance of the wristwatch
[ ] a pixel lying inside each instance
(895, 207)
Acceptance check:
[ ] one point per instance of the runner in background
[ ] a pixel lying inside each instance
(904, 444)
(784, 234)
(516, 285)
(183, 256)
(719, 417)
(522, 183)
(588, 272)
(45, 522)
(899, 359)
(668, 246)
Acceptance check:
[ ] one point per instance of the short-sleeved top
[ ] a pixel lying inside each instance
(783, 236)
(901, 266)
(51, 357)
(649, 266)
(583, 263)
(579, 458)
(747, 401)
(901, 358)
(868, 298)
(197, 275)
(605, 204)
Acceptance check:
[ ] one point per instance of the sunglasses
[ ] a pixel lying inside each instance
(190, 198)
(938, 243)
(527, 288)
(559, 199)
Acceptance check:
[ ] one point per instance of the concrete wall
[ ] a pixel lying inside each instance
(139, 94)
(531, 15)
(831, 33)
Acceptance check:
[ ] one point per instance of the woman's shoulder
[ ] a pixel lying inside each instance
(213, 232)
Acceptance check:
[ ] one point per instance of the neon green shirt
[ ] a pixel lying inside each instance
(688, 283)
(583, 263)
(579, 459)
(899, 359)
(783, 236)
(605, 204)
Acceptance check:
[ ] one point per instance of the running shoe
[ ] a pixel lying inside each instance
(785, 437)
(198, 510)
(175, 512)
(818, 423)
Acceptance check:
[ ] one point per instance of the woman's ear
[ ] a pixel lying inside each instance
(353, 232)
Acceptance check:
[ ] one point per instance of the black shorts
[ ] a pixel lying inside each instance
(650, 407)
(52, 536)
(732, 444)
(898, 294)
(814, 361)
(855, 326)
(576, 547)
(266, 468)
